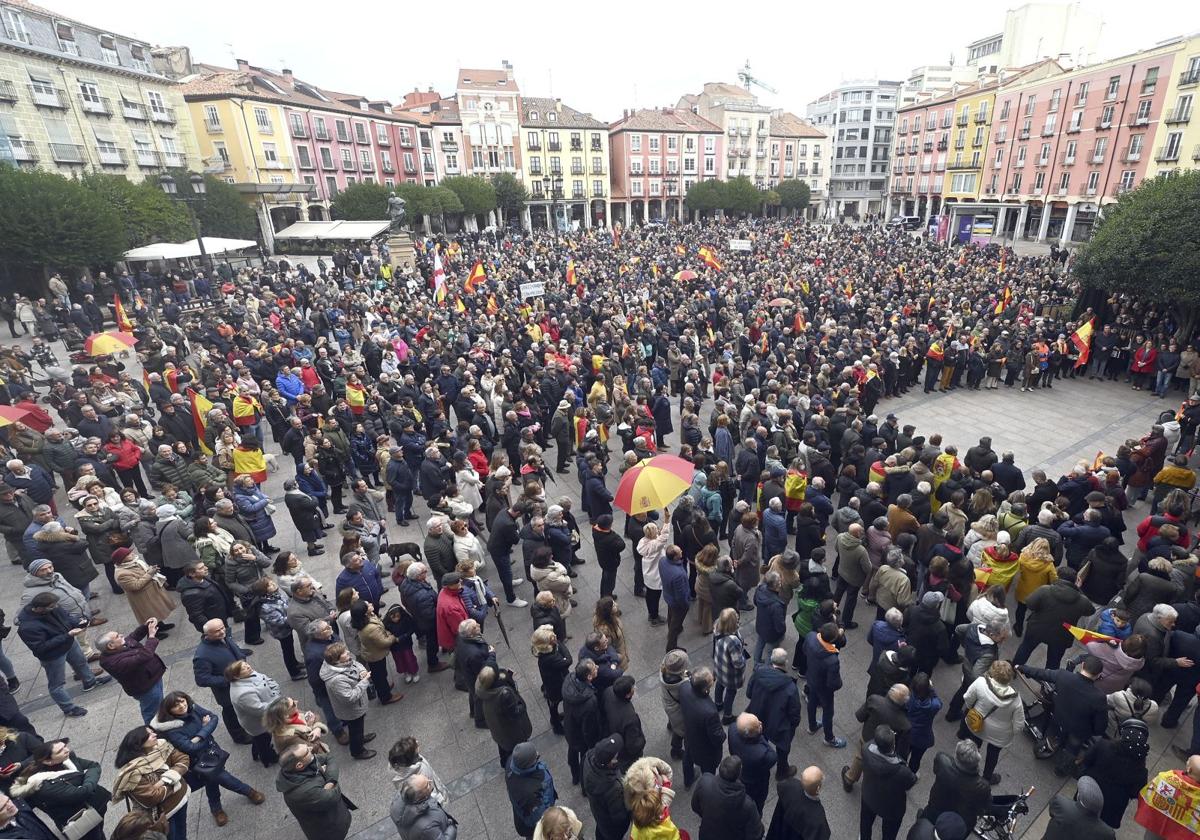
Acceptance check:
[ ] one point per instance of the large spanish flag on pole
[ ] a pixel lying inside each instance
(200, 407)
(123, 323)
(476, 279)
(1082, 339)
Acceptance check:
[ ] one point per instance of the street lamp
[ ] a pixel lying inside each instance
(553, 188)
(199, 189)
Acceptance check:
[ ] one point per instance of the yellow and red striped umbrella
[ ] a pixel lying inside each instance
(653, 483)
(105, 343)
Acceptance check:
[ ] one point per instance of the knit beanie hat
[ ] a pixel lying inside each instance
(950, 826)
(932, 599)
(1089, 795)
(524, 755)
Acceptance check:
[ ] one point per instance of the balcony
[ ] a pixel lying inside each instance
(299, 130)
(962, 120)
(22, 151)
(1121, 189)
(599, 170)
(320, 133)
(306, 163)
(165, 115)
(328, 164)
(1189, 77)
(342, 136)
(1139, 119)
(576, 146)
(1042, 161)
(173, 160)
(1023, 135)
(535, 170)
(1132, 156)
(576, 170)
(902, 130)
(1062, 190)
(535, 147)
(452, 146)
(926, 167)
(349, 165)
(382, 138)
(66, 153)
(745, 131)
(1001, 138)
(47, 97)
(637, 173)
(928, 146)
(1047, 131)
(939, 166)
(1178, 115)
(1074, 128)
(733, 131)
(97, 105)
(388, 168)
(596, 147)
(1103, 124)
(405, 139)
(911, 168)
(8, 91)
(278, 162)
(1167, 153)
(981, 118)
(554, 147)
(760, 153)
(361, 138)
(578, 194)
(598, 193)
(147, 158)
(945, 123)
(901, 190)
(960, 145)
(961, 164)
(111, 157)
(1089, 190)
(1066, 160)
(366, 165)
(410, 169)
(1196, 152)
(136, 111)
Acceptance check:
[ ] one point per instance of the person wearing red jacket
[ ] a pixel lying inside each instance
(134, 663)
(451, 611)
(129, 462)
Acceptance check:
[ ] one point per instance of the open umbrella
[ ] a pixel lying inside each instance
(685, 275)
(653, 483)
(779, 301)
(10, 415)
(105, 343)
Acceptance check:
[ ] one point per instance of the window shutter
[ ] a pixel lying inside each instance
(59, 131)
(106, 41)
(136, 51)
(103, 133)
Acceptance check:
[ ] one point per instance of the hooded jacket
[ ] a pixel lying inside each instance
(347, 689)
(1050, 607)
(581, 713)
(323, 813)
(505, 712)
(1119, 667)
(1004, 714)
(958, 789)
(770, 614)
(775, 699)
(726, 811)
(606, 796)
(854, 564)
(886, 780)
(530, 791)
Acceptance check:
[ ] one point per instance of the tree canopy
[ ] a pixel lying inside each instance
(706, 196)
(511, 195)
(741, 196)
(361, 203)
(793, 194)
(223, 212)
(1148, 244)
(146, 214)
(477, 195)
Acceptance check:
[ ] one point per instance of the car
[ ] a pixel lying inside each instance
(906, 222)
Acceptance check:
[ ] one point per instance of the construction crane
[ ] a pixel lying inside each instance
(748, 79)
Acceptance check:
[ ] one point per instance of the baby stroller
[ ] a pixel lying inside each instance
(1040, 724)
(999, 822)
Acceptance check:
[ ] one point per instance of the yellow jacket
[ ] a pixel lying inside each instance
(1035, 571)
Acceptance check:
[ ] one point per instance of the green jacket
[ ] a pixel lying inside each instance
(323, 813)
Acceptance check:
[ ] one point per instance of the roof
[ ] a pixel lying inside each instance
(665, 119)
(343, 230)
(485, 80)
(726, 89)
(41, 10)
(566, 116)
(787, 124)
(1011, 77)
(212, 82)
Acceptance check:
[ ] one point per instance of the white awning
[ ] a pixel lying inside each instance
(341, 230)
(183, 250)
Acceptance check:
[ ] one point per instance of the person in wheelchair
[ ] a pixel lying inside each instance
(1080, 711)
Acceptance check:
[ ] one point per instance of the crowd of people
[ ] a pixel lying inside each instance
(766, 369)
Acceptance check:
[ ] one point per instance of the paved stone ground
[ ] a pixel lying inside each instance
(1049, 429)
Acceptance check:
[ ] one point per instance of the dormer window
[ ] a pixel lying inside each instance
(533, 116)
(66, 38)
(553, 117)
(108, 50)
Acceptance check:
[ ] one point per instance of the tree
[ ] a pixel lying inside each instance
(361, 203)
(1148, 245)
(741, 196)
(447, 202)
(50, 223)
(223, 212)
(511, 195)
(420, 200)
(145, 212)
(771, 198)
(476, 194)
(793, 194)
(706, 196)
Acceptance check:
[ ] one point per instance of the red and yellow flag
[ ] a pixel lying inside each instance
(1005, 300)
(246, 410)
(807, 289)
(849, 290)
(459, 306)
(251, 462)
(787, 239)
(1087, 636)
(356, 396)
(1082, 339)
(571, 278)
(680, 250)
(710, 258)
(492, 306)
(475, 279)
(200, 407)
(123, 323)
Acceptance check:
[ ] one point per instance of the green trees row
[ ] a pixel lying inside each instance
(50, 223)
(469, 195)
(739, 195)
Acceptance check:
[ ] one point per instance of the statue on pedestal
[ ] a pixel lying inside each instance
(396, 210)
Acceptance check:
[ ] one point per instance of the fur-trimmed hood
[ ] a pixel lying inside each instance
(28, 787)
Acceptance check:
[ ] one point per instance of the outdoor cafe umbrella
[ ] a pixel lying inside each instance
(106, 343)
(653, 483)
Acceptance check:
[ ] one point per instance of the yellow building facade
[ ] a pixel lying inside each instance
(559, 142)
(1177, 139)
(972, 112)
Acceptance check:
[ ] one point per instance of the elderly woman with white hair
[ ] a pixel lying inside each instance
(651, 548)
(420, 600)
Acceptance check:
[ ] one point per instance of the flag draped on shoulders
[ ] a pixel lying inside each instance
(246, 410)
(356, 396)
(1005, 301)
(200, 407)
(250, 461)
(571, 278)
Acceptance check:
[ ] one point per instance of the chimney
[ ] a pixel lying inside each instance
(242, 64)
(287, 77)
(508, 69)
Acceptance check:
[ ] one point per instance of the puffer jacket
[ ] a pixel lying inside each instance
(347, 687)
(854, 563)
(1119, 667)
(1004, 714)
(1053, 605)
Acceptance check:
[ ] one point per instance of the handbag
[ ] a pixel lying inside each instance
(210, 762)
(82, 823)
(974, 720)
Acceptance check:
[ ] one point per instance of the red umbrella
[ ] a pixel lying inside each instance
(685, 275)
(780, 301)
(10, 414)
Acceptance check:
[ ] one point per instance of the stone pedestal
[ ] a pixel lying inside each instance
(400, 247)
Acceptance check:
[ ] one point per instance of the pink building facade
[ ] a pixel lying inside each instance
(655, 158)
(1061, 148)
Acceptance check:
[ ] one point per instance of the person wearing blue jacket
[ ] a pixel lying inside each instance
(770, 617)
(922, 707)
(673, 571)
(774, 529)
(886, 634)
(775, 700)
(399, 478)
(289, 385)
(310, 481)
(747, 741)
(189, 728)
(824, 675)
(361, 575)
(530, 788)
(213, 655)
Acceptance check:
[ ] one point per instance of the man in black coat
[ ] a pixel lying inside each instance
(703, 735)
(957, 786)
(1071, 819)
(799, 814)
(889, 710)
(1050, 607)
(949, 826)
(886, 780)
(758, 756)
(601, 780)
(202, 598)
(504, 536)
(775, 700)
(621, 718)
(213, 655)
(726, 811)
(609, 547)
(306, 516)
(471, 654)
(581, 714)
(1007, 474)
(1079, 706)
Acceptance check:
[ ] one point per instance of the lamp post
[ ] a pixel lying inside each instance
(199, 188)
(553, 188)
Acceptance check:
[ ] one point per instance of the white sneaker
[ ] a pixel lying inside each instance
(520, 602)
(518, 581)
(416, 678)
(407, 678)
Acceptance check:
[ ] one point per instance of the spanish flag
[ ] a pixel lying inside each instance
(356, 396)
(1086, 636)
(1004, 302)
(251, 462)
(476, 279)
(712, 338)
(200, 408)
(459, 306)
(581, 430)
(709, 258)
(849, 290)
(1082, 339)
(119, 316)
(571, 278)
(787, 240)
(680, 250)
(246, 410)
(1003, 262)
(1098, 461)
(492, 306)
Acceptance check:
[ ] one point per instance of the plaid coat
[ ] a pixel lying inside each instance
(729, 659)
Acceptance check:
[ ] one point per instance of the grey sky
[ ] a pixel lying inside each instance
(598, 57)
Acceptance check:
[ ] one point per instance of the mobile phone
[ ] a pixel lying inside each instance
(9, 768)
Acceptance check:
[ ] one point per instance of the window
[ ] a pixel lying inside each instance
(360, 133)
(108, 50)
(710, 165)
(1171, 150)
(331, 185)
(1030, 104)
(710, 145)
(635, 187)
(1039, 182)
(212, 119)
(1076, 120)
(533, 140)
(343, 133)
(654, 142)
(654, 166)
(14, 26)
(1143, 112)
(1127, 179)
(1055, 96)
(1064, 182)
(1106, 116)
(1004, 109)
(963, 182)
(1150, 82)
(320, 131)
(1020, 156)
(597, 188)
(635, 143)
(409, 162)
(347, 159)
(386, 157)
(533, 115)
(381, 134)
(365, 160)
(157, 104)
(326, 157)
(1044, 157)
(1099, 150)
(139, 57)
(1081, 97)
(263, 120)
(1114, 87)
(405, 137)
(1135, 147)
(1093, 181)
(1069, 155)
(451, 163)
(672, 143)
(1015, 186)
(270, 155)
(303, 157)
(89, 94)
(297, 122)
(66, 38)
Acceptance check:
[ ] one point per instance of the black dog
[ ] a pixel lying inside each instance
(398, 550)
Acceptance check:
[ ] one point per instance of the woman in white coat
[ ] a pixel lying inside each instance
(998, 702)
(651, 547)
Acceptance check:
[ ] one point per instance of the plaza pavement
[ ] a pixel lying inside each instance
(1051, 429)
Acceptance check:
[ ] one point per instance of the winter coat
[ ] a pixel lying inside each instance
(63, 791)
(886, 780)
(1079, 706)
(824, 674)
(854, 564)
(504, 711)
(746, 550)
(451, 611)
(425, 820)
(775, 699)
(1106, 572)
(438, 552)
(347, 689)
(179, 732)
(703, 735)
(1120, 777)
(68, 553)
(796, 816)
(1119, 667)
(47, 635)
(674, 578)
(1145, 589)
(252, 504)
(770, 614)
(921, 713)
(723, 591)
(203, 599)
(470, 657)
(420, 599)
(1001, 706)
(581, 713)
(135, 665)
(323, 813)
(306, 515)
(530, 792)
(554, 578)
(250, 698)
(891, 587)
(622, 719)
(957, 789)
(669, 686)
(301, 611)
(726, 811)
(729, 659)
(97, 528)
(1050, 607)
(774, 533)
(175, 538)
(141, 784)
(606, 795)
(553, 667)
